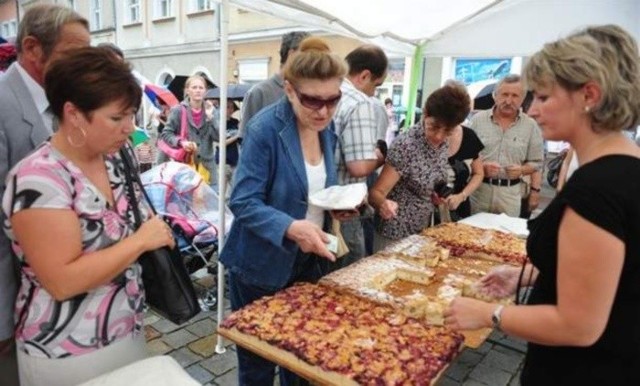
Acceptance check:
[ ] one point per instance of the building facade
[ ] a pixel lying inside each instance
(8, 19)
(166, 38)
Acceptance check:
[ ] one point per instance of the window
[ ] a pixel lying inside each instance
(9, 28)
(165, 79)
(163, 8)
(96, 15)
(253, 70)
(133, 11)
(201, 5)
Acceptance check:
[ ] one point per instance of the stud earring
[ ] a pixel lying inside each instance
(587, 109)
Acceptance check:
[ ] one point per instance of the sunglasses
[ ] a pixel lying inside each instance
(314, 103)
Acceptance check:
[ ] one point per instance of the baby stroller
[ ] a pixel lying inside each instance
(191, 207)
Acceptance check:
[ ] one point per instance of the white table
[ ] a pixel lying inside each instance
(157, 371)
(500, 222)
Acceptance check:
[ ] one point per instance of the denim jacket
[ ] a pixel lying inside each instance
(271, 191)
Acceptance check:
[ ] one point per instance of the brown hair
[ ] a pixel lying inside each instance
(368, 57)
(90, 78)
(314, 60)
(448, 105)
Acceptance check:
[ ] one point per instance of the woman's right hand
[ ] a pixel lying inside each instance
(310, 238)
(501, 281)
(388, 209)
(155, 233)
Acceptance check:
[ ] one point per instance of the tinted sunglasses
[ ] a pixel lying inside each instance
(314, 103)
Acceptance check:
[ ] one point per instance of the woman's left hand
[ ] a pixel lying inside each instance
(468, 314)
(437, 200)
(454, 200)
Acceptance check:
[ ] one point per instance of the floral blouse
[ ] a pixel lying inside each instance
(420, 166)
(87, 322)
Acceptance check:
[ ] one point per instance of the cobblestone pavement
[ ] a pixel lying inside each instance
(497, 362)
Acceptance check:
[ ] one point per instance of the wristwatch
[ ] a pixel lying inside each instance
(496, 318)
(535, 189)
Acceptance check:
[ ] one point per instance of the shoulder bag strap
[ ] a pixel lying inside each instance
(184, 134)
(130, 176)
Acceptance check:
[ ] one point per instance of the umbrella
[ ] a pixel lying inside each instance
(8, 55)
(157, 94)
(138, 136)
(234, 91)
(482, 94)
(177, 85)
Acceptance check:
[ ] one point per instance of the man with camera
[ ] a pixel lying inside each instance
(513, 148)
(413, 180)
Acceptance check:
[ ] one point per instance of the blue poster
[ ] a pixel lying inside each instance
(473, 70)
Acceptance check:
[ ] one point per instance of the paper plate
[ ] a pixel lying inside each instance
(340, 197)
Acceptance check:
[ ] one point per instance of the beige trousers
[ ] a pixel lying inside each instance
(497, 199)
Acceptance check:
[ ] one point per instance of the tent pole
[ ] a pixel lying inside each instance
(223, 11)
(416, 63)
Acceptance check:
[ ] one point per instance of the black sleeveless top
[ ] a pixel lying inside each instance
(605, 192)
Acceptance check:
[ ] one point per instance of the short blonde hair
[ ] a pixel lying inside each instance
(607, 55)
(314, 60)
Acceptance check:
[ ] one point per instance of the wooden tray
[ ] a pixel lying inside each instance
(474, 339)
(314, 374)
(285, 359)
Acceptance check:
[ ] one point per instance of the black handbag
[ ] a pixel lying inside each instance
(167, 284)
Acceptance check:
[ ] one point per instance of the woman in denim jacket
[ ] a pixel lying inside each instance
(288, 153)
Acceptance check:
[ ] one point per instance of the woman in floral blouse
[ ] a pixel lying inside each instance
(79, 306)
(404, 193)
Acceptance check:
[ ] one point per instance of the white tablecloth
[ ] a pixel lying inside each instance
(156, 371)
(500, 222)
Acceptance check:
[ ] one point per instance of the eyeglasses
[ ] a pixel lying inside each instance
(435, 126)
(314, 103)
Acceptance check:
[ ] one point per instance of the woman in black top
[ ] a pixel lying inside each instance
(583, 316)
(465, 170)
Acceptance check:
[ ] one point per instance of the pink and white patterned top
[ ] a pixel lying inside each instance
(90, 321)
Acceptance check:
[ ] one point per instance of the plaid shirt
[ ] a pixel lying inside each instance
(356, 124)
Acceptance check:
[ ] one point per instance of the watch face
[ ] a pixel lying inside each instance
(496, 317)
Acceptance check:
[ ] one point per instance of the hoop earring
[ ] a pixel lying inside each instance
(83, 135)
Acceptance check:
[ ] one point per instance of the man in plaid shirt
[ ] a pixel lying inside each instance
(356, 124)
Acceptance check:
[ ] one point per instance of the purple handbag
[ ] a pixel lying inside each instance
(176, 153)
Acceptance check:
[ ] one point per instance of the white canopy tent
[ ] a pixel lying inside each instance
(460, 28)
(484, 28)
